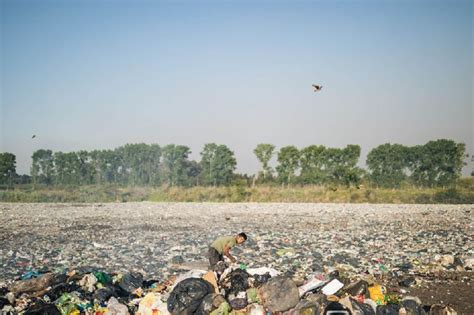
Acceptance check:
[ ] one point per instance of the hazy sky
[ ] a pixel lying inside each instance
(99, 74)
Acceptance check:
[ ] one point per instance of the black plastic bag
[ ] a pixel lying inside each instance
(187, 296)
(412, 307)
(131, 281)
(149, 283)
(104, 294)
(239, 281)
(238, 303)
(357, 288)
(41, 308)
(389, 309)
(362, 308)
(261, 279)
(3, 302)
(56, 291)
(336, 308)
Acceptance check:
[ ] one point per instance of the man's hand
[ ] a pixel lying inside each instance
(228, 255)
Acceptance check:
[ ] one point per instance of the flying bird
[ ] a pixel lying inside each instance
(317, 88)
(34, 136)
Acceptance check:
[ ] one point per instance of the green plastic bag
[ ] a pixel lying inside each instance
(102, 277)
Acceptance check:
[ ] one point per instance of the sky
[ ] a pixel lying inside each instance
(84, 75)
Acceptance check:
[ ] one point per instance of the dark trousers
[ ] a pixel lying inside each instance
(214, 257)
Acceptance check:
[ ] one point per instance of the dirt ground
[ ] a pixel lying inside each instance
(456, 290)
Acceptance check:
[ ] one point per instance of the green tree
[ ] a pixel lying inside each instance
(42, 168)
(106, 165)
(218, 164)
(175, 164)
(193, 171)
(437, 163)
(59, 160)
(139, 164)
(67, 167)
(312, 163)
(7, 168)
(152, 165)
(388, 164)
(264, 152)
(340, 165)
(288, 159)
(86, 170)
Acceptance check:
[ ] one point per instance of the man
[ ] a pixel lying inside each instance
(221, 247)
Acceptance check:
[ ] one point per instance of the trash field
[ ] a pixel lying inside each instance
(150, 258)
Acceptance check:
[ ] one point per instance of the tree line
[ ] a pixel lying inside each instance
(436, 163)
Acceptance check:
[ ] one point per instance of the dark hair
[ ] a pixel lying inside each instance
(243, 235)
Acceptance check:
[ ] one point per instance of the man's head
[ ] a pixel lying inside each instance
(241, 237)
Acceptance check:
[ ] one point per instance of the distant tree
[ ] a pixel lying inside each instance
(218, 164)
(86, 171)
(193, 172)
(312, 164)
(340, 165)
(388, 164)
(264, 153)
(67, 167)
(352, 173)
(472, 160)
(208, 157)
(42, 169)
(243, 180)
(105, 165)
(152, 166)
(175, 164)
(131, 156)
(437, 163)
(22, 179)
(288, 159)
(59, 161)
(139, 164)
(7, 168)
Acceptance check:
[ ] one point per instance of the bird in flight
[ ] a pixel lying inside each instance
(34, 136)
(317, 88)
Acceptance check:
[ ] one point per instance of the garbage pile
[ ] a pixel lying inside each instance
(409, 250)
(238, 290)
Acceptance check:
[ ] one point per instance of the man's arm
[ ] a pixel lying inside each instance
(227, 253)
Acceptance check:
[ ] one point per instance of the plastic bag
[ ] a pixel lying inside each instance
(131, 281)
(187, 295)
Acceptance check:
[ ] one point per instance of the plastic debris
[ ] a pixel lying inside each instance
(32, 285)
(152, 304)
(332, 287)
(211, 302)
(187, 296)
(88, 282)
(262, 271)
(131, 282)
(115, 308)
(30, 274)
(149, 249)
(377, 294)
(256, 310)
(312, 284)
(286, 252)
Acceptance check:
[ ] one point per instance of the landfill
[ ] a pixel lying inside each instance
(148, 258)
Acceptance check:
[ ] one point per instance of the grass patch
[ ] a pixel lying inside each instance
(461, 193)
